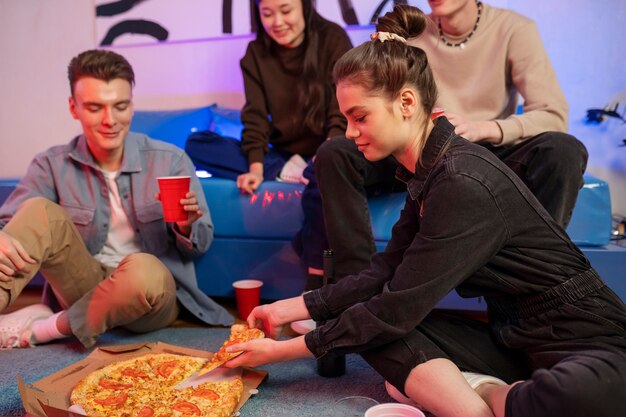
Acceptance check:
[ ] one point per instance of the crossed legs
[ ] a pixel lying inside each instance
(139, 294)
(564, 377)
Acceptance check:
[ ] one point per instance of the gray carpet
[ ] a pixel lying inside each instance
(293, 388)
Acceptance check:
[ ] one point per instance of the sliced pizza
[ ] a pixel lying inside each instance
(148, 385)
(134, 387)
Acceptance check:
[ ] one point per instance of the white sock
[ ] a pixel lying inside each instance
(45, 330)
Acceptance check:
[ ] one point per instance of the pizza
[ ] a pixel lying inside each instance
(239, 333)
(145, 386)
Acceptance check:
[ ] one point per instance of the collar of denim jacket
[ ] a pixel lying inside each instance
(434, 150)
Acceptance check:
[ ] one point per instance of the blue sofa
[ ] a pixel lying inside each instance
(253, 237)
(253, 233)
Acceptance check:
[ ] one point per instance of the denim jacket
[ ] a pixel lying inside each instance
(69, 176)
(469, 224)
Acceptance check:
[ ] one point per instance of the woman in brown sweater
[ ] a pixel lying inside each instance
(290, 110)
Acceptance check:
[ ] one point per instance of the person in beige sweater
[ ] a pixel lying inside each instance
(481, 73)
(483, 59)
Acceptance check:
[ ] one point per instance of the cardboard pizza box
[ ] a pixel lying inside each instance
(50, 396)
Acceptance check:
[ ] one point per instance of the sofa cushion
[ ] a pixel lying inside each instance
(174, 126)
(226, 122)
(273, 212)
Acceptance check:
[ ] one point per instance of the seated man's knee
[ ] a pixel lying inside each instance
(143, 274)
(40, 209)
(573, 150)
(39, 203)
(565, 152)
(41, 212)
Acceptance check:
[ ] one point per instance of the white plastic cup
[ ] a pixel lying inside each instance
(353, 406)
(393, 410)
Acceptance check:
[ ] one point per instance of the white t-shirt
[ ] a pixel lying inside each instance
(122, 239)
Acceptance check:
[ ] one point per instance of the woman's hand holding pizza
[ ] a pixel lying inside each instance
(263, 351)
(271, 318)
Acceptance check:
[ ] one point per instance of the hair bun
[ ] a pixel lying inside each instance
(386, 36)
(404, 21)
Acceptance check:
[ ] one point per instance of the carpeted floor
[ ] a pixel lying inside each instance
(293, 388)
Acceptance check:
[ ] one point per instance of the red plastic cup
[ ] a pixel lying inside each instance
(436, 112)
(248, 295)
(172, 190)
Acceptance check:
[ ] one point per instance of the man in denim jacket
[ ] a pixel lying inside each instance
(87, 216)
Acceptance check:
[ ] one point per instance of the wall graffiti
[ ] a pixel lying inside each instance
(145, 21)
(130, 26)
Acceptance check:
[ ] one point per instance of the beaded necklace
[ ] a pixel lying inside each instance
(467, 38)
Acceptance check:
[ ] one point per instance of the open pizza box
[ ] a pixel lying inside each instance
(50, 396)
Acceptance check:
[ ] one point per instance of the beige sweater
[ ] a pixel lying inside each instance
(481, 81)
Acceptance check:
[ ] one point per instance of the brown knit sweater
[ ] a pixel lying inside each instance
(271, 113)
(504, 57)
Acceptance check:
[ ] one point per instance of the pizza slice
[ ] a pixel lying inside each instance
(239, 333)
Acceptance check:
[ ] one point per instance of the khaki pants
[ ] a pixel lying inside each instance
(140, 294)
